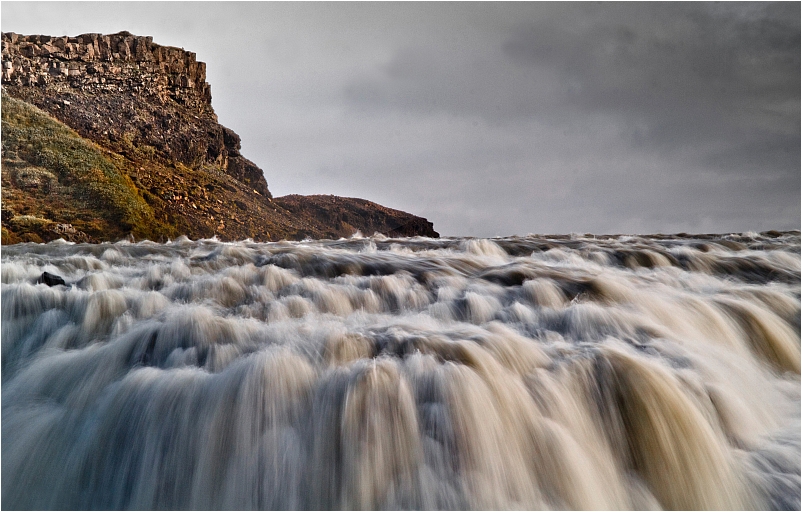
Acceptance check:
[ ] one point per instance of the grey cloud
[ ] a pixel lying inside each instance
(682, 78)
(690, 72)
(690, 52)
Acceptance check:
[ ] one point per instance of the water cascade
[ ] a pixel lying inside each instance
(562, 372)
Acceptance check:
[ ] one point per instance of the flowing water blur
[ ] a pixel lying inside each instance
(530, 372)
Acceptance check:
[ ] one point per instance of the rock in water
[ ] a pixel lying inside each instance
(50, 279)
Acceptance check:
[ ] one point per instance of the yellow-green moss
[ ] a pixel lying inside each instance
(96, 181)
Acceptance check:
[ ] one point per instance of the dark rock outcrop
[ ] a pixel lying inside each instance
(346, 215)
(50, 279)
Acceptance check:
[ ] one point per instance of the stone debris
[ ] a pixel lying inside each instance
(64, 229)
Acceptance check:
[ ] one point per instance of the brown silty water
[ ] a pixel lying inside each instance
(525, 372)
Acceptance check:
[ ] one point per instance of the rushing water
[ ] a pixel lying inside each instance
(526, 372)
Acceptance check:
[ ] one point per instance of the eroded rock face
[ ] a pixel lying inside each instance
(130, 94)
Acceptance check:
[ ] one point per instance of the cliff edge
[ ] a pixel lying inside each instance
(142, 114)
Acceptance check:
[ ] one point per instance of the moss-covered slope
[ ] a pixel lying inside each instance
(52, 176)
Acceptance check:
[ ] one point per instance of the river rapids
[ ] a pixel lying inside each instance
(537, 372)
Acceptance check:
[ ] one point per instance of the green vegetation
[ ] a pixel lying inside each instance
(37, 148)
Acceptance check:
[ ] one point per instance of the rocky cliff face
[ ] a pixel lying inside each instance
(145, 111)
(126, 92)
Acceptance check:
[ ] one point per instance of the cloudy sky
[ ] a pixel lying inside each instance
(500, 118)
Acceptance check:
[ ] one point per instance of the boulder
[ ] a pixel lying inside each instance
(50, 279)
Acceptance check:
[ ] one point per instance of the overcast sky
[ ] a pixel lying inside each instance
(500, 118)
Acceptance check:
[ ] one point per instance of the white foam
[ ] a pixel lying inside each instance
(625, 372)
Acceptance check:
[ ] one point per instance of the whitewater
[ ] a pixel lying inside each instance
(536, 372)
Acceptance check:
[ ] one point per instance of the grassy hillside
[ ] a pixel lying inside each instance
(53, 176)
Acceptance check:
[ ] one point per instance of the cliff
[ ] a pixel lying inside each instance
(127, 93)
(144, 111)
